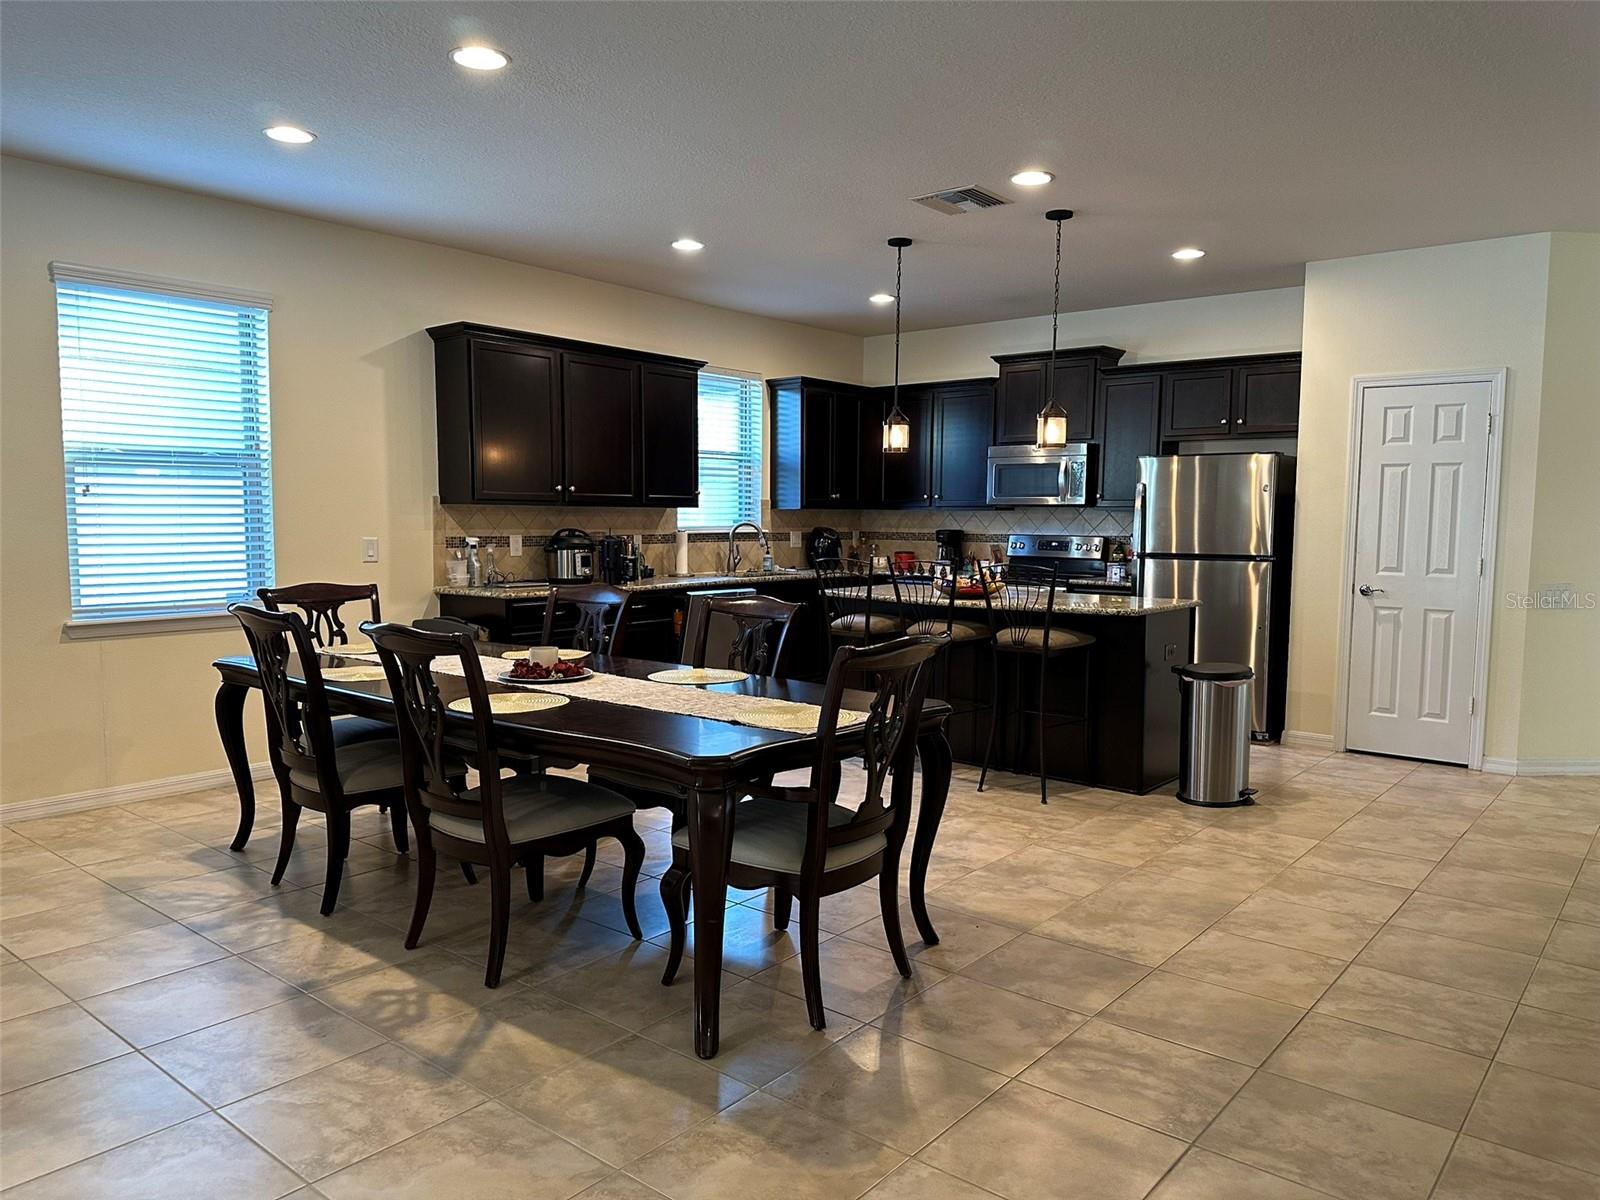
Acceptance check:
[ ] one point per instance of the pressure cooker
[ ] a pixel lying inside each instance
(569, 557)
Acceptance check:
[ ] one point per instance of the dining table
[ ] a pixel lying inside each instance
(713, 761)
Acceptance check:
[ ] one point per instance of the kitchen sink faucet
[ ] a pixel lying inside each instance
(734, 555)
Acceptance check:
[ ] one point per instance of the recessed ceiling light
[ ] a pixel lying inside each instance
(881, 298)
(1187, 253)
(292, 134)
(479, 58)
(688, 245)
(1032, 178)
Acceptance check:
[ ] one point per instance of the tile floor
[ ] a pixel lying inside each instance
(1382, 982)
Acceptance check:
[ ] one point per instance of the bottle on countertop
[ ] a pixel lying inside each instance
(474, 568)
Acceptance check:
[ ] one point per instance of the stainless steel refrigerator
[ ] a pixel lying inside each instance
(1217, 528)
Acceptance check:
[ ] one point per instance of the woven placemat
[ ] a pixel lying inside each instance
(564, 655)
(512, 702)
(783, 715)
(352, 674)
(352, 650)
(698, 675)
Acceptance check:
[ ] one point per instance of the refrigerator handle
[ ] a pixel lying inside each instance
(1138, 538)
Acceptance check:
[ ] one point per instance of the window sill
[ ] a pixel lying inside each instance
(116, 627)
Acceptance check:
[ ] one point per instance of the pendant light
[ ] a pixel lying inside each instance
(1052, 432)
(897, 426)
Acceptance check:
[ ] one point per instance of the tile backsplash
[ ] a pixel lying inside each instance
(888, 529)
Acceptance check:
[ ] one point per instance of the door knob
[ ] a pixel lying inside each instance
(1368, 590)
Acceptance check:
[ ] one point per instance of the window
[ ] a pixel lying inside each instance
(730, 452)
(164, 424)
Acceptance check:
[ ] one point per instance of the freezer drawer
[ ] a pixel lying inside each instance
(1233, 622)
(1216, 504)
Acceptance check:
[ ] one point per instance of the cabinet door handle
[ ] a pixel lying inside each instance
(1224, 421)
(1238, 420)
(924, 495)
(936, 496)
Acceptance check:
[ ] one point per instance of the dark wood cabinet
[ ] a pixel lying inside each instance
(1130, 427)
(669, 421)
(529, 419)
(825, 448)
(1198, 403)
(1266, 398)
(1020, 392)
(908, 477)
(962, 420)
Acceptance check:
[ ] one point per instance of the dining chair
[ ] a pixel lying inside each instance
(447, 625)
(800, 841)
(1024, 611)
(759, 647)
(500, 822)
(602, 613)
(314, 770)
(856, 608)
(320, 604)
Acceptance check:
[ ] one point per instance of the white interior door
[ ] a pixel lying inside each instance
(1422, 478)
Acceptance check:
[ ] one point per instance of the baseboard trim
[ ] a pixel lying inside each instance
(1297, 739)
(126, 793)
(1542, 766)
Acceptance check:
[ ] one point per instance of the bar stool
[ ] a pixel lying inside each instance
(1029, 596)
(856, 610)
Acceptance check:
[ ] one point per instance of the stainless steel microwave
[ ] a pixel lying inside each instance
(1022, 475)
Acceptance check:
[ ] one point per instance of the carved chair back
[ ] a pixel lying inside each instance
(760, 641)
(601, 609)
(320, 603)
(299, 725)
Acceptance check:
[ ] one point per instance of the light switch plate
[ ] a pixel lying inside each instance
(369, 549)
(516, 545)
(794, 539)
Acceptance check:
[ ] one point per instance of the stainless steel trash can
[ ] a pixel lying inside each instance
(1214, 743)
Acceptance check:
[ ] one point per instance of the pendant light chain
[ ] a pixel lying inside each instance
(899, 252)
(1055, 319)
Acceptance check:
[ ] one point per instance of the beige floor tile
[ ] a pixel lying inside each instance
(1575, 943)
(1445, 1016)
(1485, 855)
(1295, 977)
(1374, 866)
(147, 870)
(627, 1099)
(1202, 1175)
(1157, 1083)
(123, 961)
(488, 1153)
(913, 1180)
(1400, 834)
(344, 947)
(963, 939)
(430, 985)
(1485, 924)
(1284, 923)
(176, 1004)
(324, 1121)
(41, 893)
(619, 1186)
(1564, 988)
(1057, 973)
(1448, 960)
(1540, 1115)
(626, 988)
(51, 1043)
(1554, 1043)
(1102, 1155)
(763, 1033)
(994, 894)
(1210, 864)
(1503, 891)
(23, 990)
(77, 925)
(749, 942)
(511, 1040)
(1401, 1074)
(887, 1088)
(537, 953)
(152, 840)
(857, 980)
(996, 1029)
(204, 1149)
(242, 927)
(1337, 893)
(1113, 838)
(22, 861)
(184, 898)
(1145, 917)
(1328, 1142)
(1480, 1170)
(1270, 844)
(55, 1123)
(1204, 1016)
(259, 1050)
(1583, 906)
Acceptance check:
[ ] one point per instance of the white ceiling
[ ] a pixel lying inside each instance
(790, 137)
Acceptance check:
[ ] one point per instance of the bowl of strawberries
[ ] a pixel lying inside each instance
(527, 671)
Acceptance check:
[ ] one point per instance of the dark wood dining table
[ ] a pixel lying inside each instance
(710, 759)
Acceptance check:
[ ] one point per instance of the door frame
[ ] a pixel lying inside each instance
(1496, 379)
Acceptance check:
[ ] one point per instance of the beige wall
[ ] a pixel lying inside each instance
(353, 434)
(1560, 718)
(1208, 327)
(1467, 306)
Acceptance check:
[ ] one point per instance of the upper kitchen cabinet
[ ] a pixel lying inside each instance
(825, 452)
(529, 419)
(1020, 392)
(950, 429)
(1230, 397)
(908, 477)
(1130, 427)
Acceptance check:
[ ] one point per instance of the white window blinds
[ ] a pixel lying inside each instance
(164, 424)
(730, 452)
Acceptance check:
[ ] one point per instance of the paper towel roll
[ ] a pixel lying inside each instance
(681, 560)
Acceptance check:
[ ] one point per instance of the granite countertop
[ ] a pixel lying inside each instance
(659, 583)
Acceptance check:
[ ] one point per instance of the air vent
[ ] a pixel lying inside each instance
(955, 201)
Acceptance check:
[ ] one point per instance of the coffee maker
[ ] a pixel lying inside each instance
(824, 545)
(950, 546)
